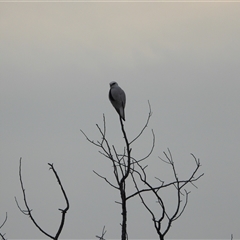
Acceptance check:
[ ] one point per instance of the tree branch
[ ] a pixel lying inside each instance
(28, 211)
(103, 233)
(63, 211)
(105, 180)
(146, 124)
(5, 220)
(178, 184)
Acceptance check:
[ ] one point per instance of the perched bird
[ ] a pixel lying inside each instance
(118, 98)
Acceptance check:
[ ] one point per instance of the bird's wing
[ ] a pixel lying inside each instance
(116, 94)
(118, 100)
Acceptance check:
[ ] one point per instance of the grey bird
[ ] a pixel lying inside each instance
(118, 98)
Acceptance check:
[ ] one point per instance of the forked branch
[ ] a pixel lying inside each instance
(28, 211)
(103, 233)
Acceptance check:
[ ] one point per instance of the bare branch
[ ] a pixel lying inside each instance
(128, 153)
(184, 206)
(145, 126)
(151, 150)
(63, 211)
(105, 180)
(89, 139)
(5, 220)
(28, 211)
(103, 233)
(3, 236)
(122, 184)
(177, 184)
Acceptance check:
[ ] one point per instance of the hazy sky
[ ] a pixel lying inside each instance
(57, 60)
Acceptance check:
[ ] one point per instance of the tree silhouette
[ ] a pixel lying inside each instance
(125, 166)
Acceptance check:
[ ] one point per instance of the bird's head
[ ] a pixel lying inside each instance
(113, 84)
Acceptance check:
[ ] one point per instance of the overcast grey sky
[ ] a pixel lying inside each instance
(57, 60)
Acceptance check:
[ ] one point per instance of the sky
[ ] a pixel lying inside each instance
(57, 59)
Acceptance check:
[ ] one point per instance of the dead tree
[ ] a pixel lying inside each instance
(2, 235)
(28, 211)
(125, 166)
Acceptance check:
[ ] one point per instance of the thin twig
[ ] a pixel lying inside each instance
(105, 179)
(145, 126)
(5, 220)
(103, 233)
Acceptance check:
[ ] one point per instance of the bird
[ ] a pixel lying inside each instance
(118, 99)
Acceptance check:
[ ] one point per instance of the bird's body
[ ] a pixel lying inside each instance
(118, 99)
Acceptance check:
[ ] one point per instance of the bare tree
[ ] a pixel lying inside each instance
(2, 235)
(124, 165)
(28, 211)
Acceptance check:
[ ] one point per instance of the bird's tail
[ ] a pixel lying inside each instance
(122, 114)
